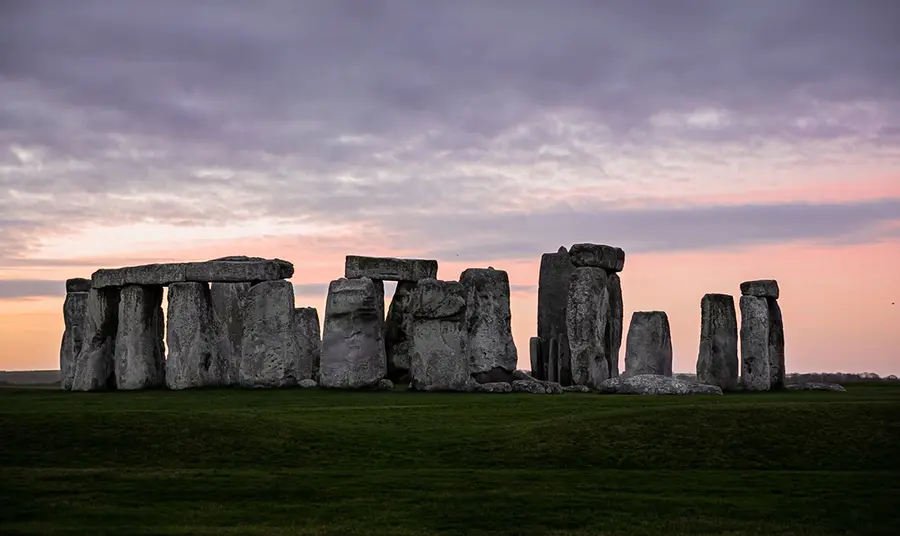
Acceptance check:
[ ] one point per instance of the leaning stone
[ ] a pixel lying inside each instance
(776, 344)
(210, 271)
(308, 342)
(78, 284)
(655, 384)
(191, 338)
(490, 348)
(553, 291)
(525, 386)
(492, 387)
(228, 312)
(587, 314)
(398, 333)
(95, 364)
(307, 384)
(140, 356)
(74, 312)
(717, 362)
(384, 384)
(755, 372)
(814, 386)
(615, 323)
(611, 259)
(761, 288)
(389, 268)
(576, 389)
(648, 349)
(271, 355)
(353, 354)
(439, 361)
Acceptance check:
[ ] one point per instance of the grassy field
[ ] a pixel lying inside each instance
(317, 462)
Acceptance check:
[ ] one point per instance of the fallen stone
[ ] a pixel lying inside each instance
(220, 271)
(525, 386)
(551, 388)
(439, 361)
(308, 342)
(755, 372)
(192, 339)
(398, 333)
(78, 284)
(74, 312)
(228, 313)
(389, 268)
(307, 384)
(587, 316)
(95, 364)
(815, 386)
(140, 355)
(489, 343)
(776, 344)
(353, 353)
(761, 288)
(384, 384)
(576, 389)
(611, 259)
(271, 357)
(615, 322)
(655, 384)
(492, 387)
(553, 291)
(717, 361)
(648, 349)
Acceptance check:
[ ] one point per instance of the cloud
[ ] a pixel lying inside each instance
(11, 289)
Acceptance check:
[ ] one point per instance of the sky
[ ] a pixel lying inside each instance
(716, 141)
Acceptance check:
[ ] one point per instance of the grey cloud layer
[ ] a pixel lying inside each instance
(380, 113)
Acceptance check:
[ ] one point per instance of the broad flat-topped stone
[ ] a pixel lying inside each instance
(78, 284)
(389, 268)
(611, 259)
(227, 270)
(761, 288)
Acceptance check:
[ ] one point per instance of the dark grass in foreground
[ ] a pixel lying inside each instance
(318, 462)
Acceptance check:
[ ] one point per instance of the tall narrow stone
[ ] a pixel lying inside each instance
(553, 291)
(776, 344)
(398, 333)
(353, 354)
(616, 319)
(95, 364)
(228, 313)
(309, 342)
(587, 314)
(489, 346)
(717, 362)
(439, 361)
(538, 362)
(648, 348)
(271, 357)
(192, 339)
(140, 360)
(553, 361)
(74, 312)
(755, 371)
(564, 361)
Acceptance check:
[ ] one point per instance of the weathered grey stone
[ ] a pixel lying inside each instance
(538, 363)
(307, 384)
(553, 291)
(611, 259)
(439, 361)
(717, 361)
(587, 316)
(223, 271)
(228, 313)
(140, 356)
(492, 387)
(553, 361)
(776, 344)
(525, 386)
(648, 349)
(550, 388)
(95, 364)
(74, 312)
(271, 355)
(815, 386)
(576, 389)
(398, 342)
(761, 288)
(655, 384)
(384, 384)
(489, 344)
(353, 354)
(192, 339)
(755, 373)
(308, 342)
(564, 360)
(389, 268)
(78, 284)
(615, 322)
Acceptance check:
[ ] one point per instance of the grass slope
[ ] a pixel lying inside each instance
(319, 462)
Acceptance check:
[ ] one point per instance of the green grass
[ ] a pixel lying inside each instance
(319, 462)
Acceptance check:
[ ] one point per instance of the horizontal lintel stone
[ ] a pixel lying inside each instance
(611, 259)
(761, 288)
(228, 271)
(389, 268)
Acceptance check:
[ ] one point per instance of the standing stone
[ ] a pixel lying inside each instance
(353, 354)
(398, 333)
(439, 361)
(615, 325)
(553, 361)
(755, 374)
(95, 364)
(308, 341)
(228, 313)
(587, 315)
(490, 347)
(192, 339)
(140, 356)
(271, 356)
(74, 312)
(553, 292)
(761, 288)
(776, 344)
(538, 363)
(648, 349)
(717, 362)
(564, 361)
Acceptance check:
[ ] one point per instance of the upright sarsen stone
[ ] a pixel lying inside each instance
(587, 315)
(776, 344)
(439, 361)
(74, 312)
(192, 339)
(648, 348)
(553, 291)
(308, 341)
(140, 361)
(95, 364)
(717, 362)
(489, 345)
(615, 321)
(228, 313)
(398, 332)
(270, 353)
(755, 370)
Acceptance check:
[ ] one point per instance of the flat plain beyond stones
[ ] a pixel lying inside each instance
(389, 268)
(217, 271)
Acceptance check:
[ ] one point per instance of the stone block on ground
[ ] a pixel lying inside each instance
(761, 288)
(815, 386)
(717, 361)
(553, 291)
(389, 268)
(192, 339)
(609, 258)
(95, 364)
(74, 312)
(489, 343)
(587, 315)
(648, 348)
(576, 389)
(755, 372)
(439, 361)
(655, 384)
(526, 386)
(307, 384)
(140, 356)
(491, 387)
(228, 313)
(271, 356)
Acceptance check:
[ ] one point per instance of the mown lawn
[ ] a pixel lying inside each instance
(319, 462)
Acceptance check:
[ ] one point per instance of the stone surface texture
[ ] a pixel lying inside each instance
(74, 312)
(192, 339)
(271, 357)
(353, 353)
(648, 348)
(587, 315)
(755, 373)
(439, 361)
(228, 314)
(140, 356)
(491, 387)
(655, 384)
(389, 268)
(307, 384)
(615, 323)
(553, 291)
(526, 386)
(717, 361)
(308, 340)
(230, 270)
(761, 288)
(78, 284)
(95, 364)
(489, 343)
(538, 362)
(576, 389)
(609, 258)
(815, 386)
(776, 344)
(398, 332)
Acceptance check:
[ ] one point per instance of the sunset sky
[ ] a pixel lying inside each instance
(715, 141)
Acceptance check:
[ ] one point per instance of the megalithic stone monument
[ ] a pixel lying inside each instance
(717, 361)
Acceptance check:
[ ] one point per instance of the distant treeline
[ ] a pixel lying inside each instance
(823, 377)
